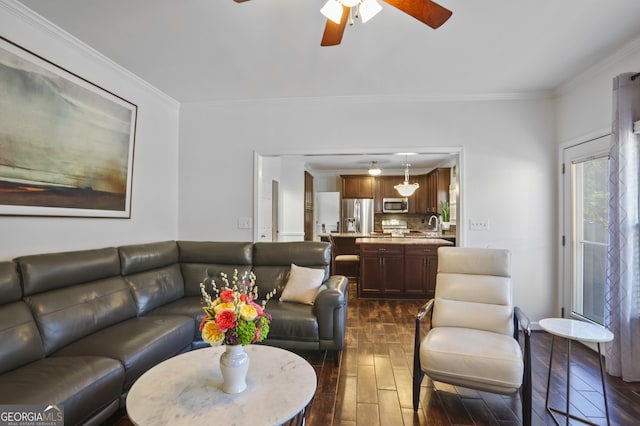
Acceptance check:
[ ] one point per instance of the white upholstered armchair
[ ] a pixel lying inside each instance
(473, 339)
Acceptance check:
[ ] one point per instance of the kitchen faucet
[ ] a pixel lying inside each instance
(437, 222)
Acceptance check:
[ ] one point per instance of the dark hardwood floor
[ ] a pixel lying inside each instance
(372, 385)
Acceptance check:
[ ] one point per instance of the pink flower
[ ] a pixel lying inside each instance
(257, 307)
(243, 297)
(257, 336)
(225, 320)
(226, 296)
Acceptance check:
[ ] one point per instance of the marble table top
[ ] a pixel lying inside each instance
(186, 390)
(576, 330)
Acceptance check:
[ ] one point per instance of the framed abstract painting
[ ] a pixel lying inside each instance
(66, 144)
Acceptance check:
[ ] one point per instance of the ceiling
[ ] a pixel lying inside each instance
(220, 50)
(390, 163)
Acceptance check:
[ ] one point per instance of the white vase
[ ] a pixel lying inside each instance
(446, 226)
(234, 363)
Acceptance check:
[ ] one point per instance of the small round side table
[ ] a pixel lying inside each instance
(574, 330)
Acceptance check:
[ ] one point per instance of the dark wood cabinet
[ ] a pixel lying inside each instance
(418, 202)
(398, 270)
(437, 183)
(420, 269)
(383, 269)
(357, 186)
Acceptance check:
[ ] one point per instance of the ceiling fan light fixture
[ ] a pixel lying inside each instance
(349, 3)
(374, 170)
(332, 10)
(368, 9)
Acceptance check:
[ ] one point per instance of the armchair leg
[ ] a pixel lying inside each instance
(417, 380)
(336, 358)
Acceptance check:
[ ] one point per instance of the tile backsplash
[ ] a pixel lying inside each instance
(417, 222)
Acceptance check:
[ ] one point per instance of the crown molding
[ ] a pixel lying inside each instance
(628, 49)
(36, 21)
(408, 98)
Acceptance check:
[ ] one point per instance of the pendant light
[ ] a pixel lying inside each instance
(374, 170)
(406, 189)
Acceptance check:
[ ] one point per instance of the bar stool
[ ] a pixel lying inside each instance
(344, 258)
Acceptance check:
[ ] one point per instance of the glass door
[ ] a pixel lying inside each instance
(585, 204)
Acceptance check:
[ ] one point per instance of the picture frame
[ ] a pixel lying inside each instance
(66, 144)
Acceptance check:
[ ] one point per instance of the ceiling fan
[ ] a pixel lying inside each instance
(425, 11)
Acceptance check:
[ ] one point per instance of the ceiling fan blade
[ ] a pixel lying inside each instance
(240, 1)
(425, 11)
(333, 32)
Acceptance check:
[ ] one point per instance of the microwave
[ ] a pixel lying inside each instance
(395, 205)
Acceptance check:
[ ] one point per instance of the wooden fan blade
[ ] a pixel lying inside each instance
(333, 32)
(425, 11)
(240, 1)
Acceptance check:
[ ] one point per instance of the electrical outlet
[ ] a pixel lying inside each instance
(244, 223)
(479, 224)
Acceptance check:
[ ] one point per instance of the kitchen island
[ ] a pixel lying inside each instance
(398, 267)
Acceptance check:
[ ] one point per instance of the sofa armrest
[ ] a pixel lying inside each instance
(330, 308)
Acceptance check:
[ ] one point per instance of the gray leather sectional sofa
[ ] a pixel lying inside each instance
(78, 328)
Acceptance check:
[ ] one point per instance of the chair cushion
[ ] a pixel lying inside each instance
(472, 358)
(347, 258)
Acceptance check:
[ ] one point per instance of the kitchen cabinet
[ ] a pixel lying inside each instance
(398, 270)
(385, 189)
(418, 202)
(420, 269)
(437, 184)
(357, 186)
(381, 269)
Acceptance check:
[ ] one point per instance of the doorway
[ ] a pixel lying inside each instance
(585, 219)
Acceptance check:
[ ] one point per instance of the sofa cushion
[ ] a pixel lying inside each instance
(195, 273)
(200, 260)
(302, 253)
(145, 257)
(155, 288)
(139, 343)
(68, 314)
(292, 321)
(83, 385)
(44, 272)
(10, 290)
(187, 306)
(303, 285)
(21, 343)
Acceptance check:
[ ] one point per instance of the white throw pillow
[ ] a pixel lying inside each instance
(303, 285)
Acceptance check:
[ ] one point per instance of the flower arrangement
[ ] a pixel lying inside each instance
(232, 317)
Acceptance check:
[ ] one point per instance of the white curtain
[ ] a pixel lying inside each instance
(622, 309)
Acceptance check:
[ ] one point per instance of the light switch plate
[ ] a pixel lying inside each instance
(479, 224)
(244, 223)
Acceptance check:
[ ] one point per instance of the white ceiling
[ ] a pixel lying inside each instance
(213, 50)
(219, 50)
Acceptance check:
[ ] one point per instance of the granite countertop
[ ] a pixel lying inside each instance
(405, 241)
(378, 234)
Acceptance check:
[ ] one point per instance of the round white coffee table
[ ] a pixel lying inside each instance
(574, 330)
(185, 390)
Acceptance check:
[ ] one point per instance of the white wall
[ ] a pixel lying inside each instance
(509, 165)
(584, 104)
(155, 173)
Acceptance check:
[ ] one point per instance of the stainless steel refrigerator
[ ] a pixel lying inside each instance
(356, 215)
